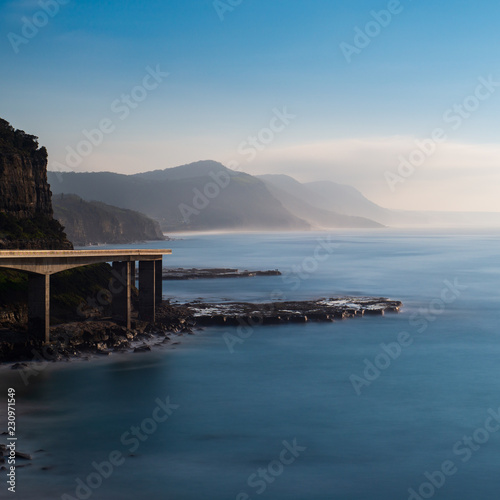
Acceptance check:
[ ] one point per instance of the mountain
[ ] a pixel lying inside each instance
(343, 199)
(88, 223)
(347, 199)
(332, 197)
(320, 211)
(188, 171)
(200, 196)
(26, 216)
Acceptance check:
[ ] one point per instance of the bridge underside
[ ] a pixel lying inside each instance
(42, 264)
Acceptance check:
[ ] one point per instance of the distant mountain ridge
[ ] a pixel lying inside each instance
(344, 199)
(196, 197)
(320, 210)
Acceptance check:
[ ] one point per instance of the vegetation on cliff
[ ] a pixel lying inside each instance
(37, 233)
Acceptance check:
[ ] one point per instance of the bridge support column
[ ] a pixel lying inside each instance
(39, 306)
(150, 288)
(147, 290)
(132, 273)
(158, 282)
(122, 296)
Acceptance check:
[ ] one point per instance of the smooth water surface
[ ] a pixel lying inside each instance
(293, 382)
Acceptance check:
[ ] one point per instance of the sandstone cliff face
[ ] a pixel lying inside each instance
(26, 217)
(24, 191)
(90, 223)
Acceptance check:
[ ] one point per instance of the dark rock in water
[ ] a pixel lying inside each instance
(243, 313)
(19, 366)
(143, 348)
(23, 456)
(192, 274)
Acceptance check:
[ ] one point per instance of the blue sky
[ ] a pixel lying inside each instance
(353, 120)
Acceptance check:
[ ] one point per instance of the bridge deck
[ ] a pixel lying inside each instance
(41, 264)
(54, 261)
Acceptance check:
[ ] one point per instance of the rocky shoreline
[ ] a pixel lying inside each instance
(85, 339)
(102, 337)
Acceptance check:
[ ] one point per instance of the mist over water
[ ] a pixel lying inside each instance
(292, 382)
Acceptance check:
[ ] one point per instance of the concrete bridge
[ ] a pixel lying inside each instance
(41, 264)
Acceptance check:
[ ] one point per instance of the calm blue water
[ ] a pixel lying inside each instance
(292, 383)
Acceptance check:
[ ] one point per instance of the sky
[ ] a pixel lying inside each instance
(400, 99)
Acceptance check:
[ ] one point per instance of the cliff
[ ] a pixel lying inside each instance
(26, 216)
(26, 222)
(90, 223)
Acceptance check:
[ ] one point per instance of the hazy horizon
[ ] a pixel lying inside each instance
(394, 98)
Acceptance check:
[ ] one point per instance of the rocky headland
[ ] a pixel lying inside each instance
(94, 223)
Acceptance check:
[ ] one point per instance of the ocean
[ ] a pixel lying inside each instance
(402, 406)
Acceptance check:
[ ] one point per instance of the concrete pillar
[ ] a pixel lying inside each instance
(122, 293)
(132, 273)
(39, 306)
(158, 282)
(147, 290)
